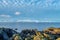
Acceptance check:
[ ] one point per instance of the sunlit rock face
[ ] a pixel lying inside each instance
(53, 30)
(52, 33)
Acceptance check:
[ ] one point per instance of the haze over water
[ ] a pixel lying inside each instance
(29, 25)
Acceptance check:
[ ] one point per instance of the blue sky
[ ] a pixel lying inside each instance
(29, 10)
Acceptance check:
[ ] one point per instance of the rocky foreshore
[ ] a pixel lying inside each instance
(30, 34)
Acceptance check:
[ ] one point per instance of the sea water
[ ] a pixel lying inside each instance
(29, 25)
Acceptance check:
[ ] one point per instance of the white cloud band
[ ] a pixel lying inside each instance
(5, 16)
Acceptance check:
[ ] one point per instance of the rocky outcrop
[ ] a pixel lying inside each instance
(30, 34)
(6, 33)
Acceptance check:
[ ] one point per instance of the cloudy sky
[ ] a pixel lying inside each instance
(29, 10)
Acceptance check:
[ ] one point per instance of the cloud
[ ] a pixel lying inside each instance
(5, 2)
(40, 3)
(27, 20)
(40, 20)
(5, 16)
(17, 13)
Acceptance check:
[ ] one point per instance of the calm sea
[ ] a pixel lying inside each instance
(29, 25)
